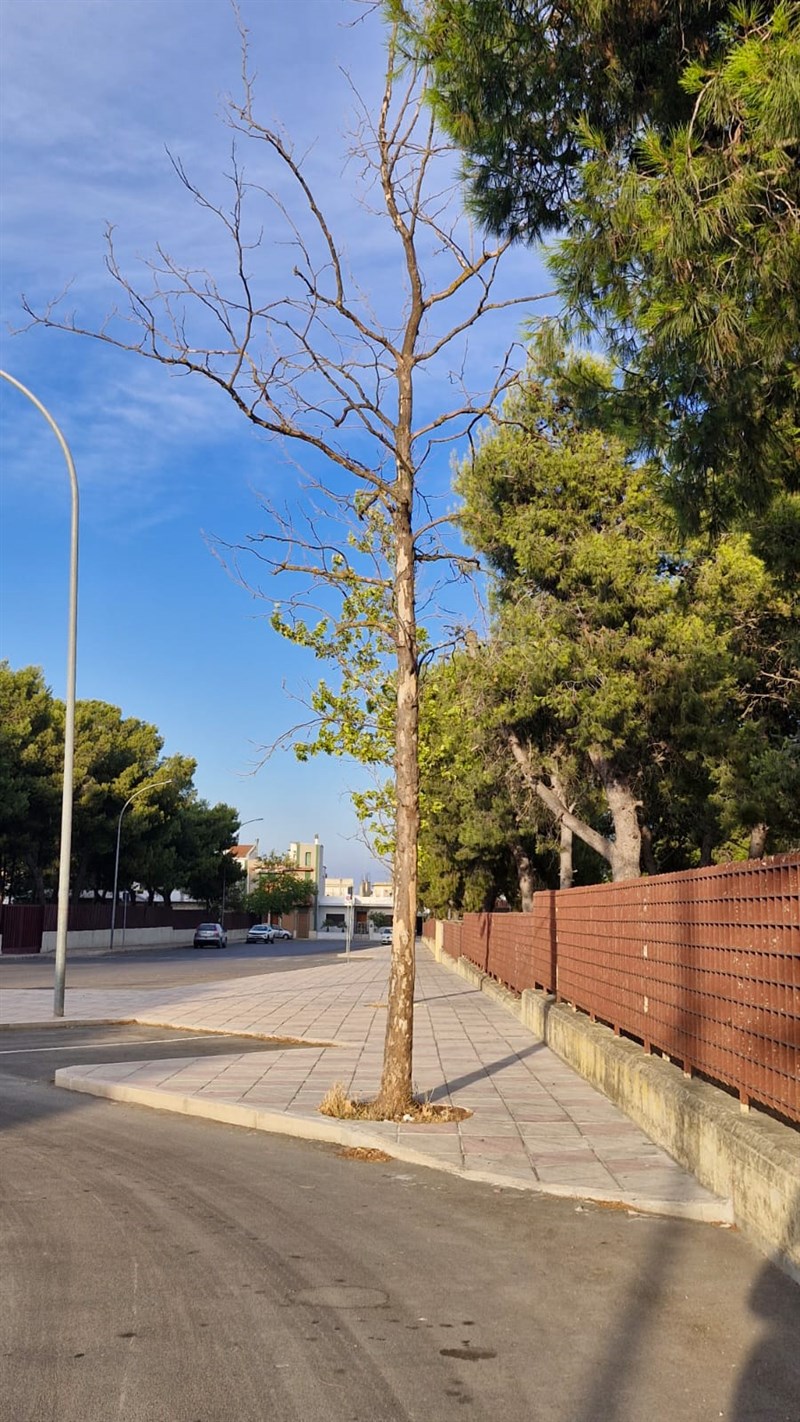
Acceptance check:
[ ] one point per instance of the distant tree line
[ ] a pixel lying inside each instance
(171, 838)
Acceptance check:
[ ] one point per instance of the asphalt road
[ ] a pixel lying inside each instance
(157, 1268)
(171, 967)
(35, 1053)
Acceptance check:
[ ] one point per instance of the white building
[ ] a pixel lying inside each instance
(249, 859)
(339, 902)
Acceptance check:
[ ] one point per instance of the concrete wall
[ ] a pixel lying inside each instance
(97, 939)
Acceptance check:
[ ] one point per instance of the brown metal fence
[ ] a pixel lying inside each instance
(501, 943)
(702, 966)
(21, 926)
(451, 937)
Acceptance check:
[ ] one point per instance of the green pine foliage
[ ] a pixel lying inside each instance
(172, 839)
(685, 258)
(662, 144)
(515, 81)
(617, 640)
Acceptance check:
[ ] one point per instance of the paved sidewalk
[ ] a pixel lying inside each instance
(535, 1125)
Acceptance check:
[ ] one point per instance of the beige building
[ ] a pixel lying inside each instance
(306, 858)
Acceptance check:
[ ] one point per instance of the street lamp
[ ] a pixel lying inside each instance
(156, 785)
(257, 821)
(69, 722)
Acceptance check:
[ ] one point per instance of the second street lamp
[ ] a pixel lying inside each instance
(156, 785)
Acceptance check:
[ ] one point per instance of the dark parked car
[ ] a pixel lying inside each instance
(261, 933)
(210, 935)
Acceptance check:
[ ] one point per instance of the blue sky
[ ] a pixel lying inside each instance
(93, 91)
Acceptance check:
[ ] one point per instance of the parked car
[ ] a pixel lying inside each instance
(281, 932)
(261, 933)
(385, 935)
(210, 935)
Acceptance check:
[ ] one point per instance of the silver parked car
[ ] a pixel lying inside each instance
(281, 932)
(210, 935)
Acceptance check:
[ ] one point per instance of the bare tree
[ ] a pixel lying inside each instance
(316, 366)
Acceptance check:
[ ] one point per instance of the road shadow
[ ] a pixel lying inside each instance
(765, 1384)
(772, 1369)
(25, 1102)
(767, 1387)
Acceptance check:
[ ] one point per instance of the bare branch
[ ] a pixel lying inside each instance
(309, 362)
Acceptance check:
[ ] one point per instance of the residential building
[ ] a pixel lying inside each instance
(338, 887)
(339, 905)
(248, 858)
(306, 859)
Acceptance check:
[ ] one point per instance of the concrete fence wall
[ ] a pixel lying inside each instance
(98, 938)
(31, 928)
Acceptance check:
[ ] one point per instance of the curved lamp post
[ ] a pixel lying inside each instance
(69, 724)
(156, 785)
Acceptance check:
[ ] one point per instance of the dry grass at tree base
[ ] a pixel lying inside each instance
(365, 1153)
(420, 1111)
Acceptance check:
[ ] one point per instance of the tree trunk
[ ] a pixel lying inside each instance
(648, 857)
(562, 814)
(565, 858)
(623, 852)
(396, 1087)
(525, 876)
(707, 847)
(79, 880)
(626, 846)
(566, 838)
(758, 840)
(38, 882)
(37, 874)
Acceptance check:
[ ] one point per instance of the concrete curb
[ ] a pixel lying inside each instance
(745, 1156)
(358, 1136)
(278, 1039)
(62, 1023)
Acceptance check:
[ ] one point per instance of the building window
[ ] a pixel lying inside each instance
(308, 859)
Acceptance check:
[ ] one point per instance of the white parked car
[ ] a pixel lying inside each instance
(385, 935)
(281, 932)
(260, 933)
